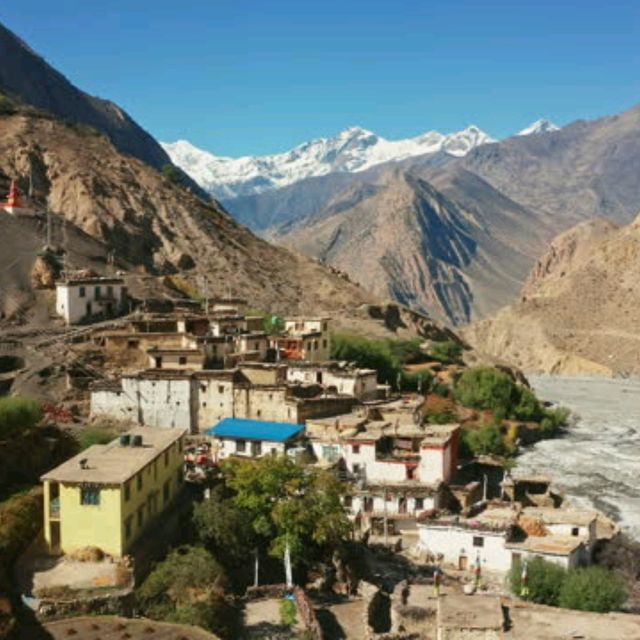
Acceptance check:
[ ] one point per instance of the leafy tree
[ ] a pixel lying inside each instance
(487, 440)
(225, 529)
(486, 388)
(273, 324)
(188, 587)
(527, 406)
(593, 589)
(366, 353)
(446, 352)
(545, 580)
(288, 504)
(18, 413)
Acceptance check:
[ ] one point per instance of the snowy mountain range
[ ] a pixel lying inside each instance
(538, 127)
(352, 150)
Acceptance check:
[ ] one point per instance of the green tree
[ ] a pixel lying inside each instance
(446, 352)
(480, 441)
(225, 529)
(545, 581)
(288, 504)
(18, 413)
(89, 437)
(273, 324)
(527, 406)
(188, 587)
(593, 589)
(486, 388)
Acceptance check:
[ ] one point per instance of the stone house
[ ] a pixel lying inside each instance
(80, 299)
(336, 378)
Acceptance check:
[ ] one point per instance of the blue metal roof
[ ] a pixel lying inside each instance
(255, 430)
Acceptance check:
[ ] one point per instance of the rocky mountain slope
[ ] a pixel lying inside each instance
(26, 75)
(407, 238)
(518, 194)
(579, 311)
(352, 150)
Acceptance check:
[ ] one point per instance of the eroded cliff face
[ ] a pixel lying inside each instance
(579, 312)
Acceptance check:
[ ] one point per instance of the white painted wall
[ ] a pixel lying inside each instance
(165, 403)
(434, 464)
(393, 505)
(114, 404)
(229, 447)
(453, 542)
(72, 299)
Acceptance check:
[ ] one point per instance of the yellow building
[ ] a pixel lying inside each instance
(108, 495)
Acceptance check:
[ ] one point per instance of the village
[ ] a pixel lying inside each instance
(189, 389)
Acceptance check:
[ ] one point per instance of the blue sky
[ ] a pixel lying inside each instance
(260, 76)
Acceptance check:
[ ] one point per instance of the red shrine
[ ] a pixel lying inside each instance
(14, 203)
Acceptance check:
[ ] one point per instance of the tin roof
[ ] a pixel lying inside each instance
(242, 429)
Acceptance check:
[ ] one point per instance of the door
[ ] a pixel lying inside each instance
(402, 505)
(462, 563)
(55, 536)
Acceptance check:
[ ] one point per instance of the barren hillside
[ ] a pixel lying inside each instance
(579, 312)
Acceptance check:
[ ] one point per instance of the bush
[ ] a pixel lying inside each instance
(440, 417)
(554, 419)
(586, 589)
(288, 611)
(446, 352)
(366, 353)
(174, 174)
(593, 589)
(420, 381)
(484, 441)
(89, 437)
(527, 406)
(545, 581)
(17, 414)
(486, 388)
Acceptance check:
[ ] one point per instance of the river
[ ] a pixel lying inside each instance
(597, 462)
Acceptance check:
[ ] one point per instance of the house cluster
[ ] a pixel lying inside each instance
(499, 533)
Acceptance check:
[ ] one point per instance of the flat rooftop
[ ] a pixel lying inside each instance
(113, 463)
(549, 515)
(549, 545)
(243, 429)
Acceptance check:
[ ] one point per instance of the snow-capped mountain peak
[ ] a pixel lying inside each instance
(538, 127)
(352, 150)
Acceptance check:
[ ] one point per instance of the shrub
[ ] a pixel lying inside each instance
(420, 381)
(441, 389)
(554, 419)
(17, 414)
(446, 352)
(174, 174)
(486, 388)
(440, 417)
(366, 353)
(593, 589)
(527, 406)
(89, 437)
(545, 581)
(288, 612)
(484, 441)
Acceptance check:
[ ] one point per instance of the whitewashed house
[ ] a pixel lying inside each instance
(254, 438)
(80, 299)
(336, 377)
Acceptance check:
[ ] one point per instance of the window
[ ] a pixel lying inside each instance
(166, 458)
(140, 516)
(356, 468)
(348, 502)
(324, 344)
(132, 344)
(158, 362)
(259, 412)
(355, 449)
(575, 531)
(127, 527)
(127, 492)
(274, 451)
(220, 389)
(478, 541)
(241, 446)
(256, 449)
(256, 346)
(109, 291)
(411, 472)
(419, 502)
(90, 496)
(330, 453)
(324, 326)
(139, 481)
(166, 492)
(82, 292)
(182, 360)
(97, 293)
